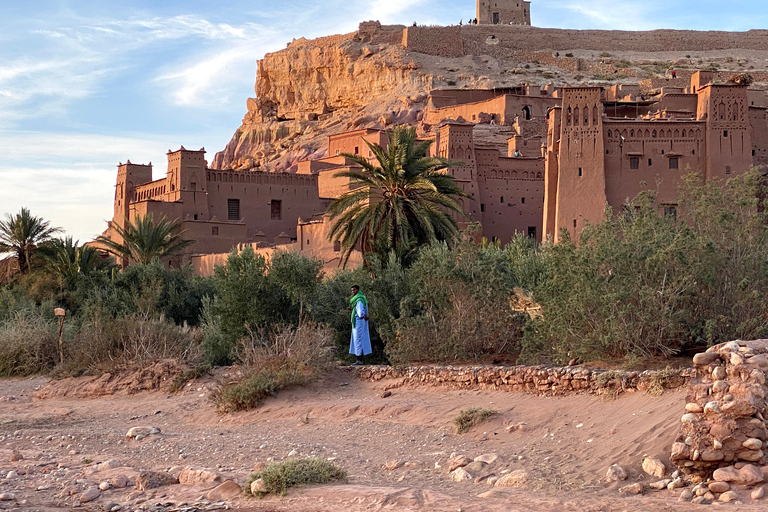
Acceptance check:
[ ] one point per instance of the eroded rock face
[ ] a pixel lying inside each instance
(724, 423)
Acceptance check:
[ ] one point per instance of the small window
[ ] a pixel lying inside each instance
(650, 162)
(673, 163)
(195, 216)
(215, 230)
(693, 151)
(501, 199)
(193, 186)
(308, 241)
(336, 246)
(233, 209)
(753, 152)
(276, 207)
(357, 150)
(670, 210)
(338, 151)
(725, 133)
(522, 200)
(532, 232)
(581, 172)
(482, 207)
(727, 169)
(634, 162)
(574, 223)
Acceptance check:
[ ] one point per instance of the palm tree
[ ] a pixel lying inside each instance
(22, 234)
(403, 201)
(146, 239)
(67, 259)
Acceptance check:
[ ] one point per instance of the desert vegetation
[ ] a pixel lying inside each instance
(641, 284)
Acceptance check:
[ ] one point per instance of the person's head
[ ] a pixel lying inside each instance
(355, 289)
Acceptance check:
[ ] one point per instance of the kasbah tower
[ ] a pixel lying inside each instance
(539, 159)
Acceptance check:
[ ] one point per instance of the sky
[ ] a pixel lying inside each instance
(86, 84)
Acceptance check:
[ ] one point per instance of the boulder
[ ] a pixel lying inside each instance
(758, 493)
(7, 496)
(516, 478)
(119, 481)
(90, 494)
(475, 467)
(224, 491)
(459, 461)
(686, 495)
(258, 487)
(392, 465)
(154, 479)
(616, 473)
(728, 497)
(460, 475)
(661, 484)
(719, 487)
(654, 467)
(488, 458)
(192, 475)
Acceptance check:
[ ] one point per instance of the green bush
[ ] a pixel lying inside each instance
(28, 343)
(278, 477)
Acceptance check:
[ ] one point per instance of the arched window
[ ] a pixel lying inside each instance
(576, 116)
(594, 115)
(677, 134)
(538, 175)
(653, 134)
(527, 112)
(568, 117)
(647, 134)
(610, 134)
(683, 134)
(632, 133)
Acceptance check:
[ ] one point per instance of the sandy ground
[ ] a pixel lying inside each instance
(565, 445)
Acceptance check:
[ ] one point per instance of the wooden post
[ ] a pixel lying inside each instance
(61, 314)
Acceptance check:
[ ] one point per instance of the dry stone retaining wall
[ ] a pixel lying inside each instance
(529, 379)
(724, 424)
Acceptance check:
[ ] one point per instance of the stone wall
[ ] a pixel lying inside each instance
(724, 423)
(476, 40)
(528, 379)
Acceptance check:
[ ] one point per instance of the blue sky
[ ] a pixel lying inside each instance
(86, 84)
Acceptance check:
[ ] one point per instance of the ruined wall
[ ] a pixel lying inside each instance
(504, 110)
(440, 41)
(724, 421)
(528, 379)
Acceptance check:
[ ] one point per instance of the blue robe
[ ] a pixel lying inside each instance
(360, 343)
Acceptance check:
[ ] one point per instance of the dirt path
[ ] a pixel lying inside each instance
(565, 444)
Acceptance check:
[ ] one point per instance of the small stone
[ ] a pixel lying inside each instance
(719, 373)
(677, 483)
(488, 458)
(154, 479)
(752, 444)
(11, 474)
(258, 487)
(392, 465)
(709, 496)
(16, 456)
(293, 453)
(258, 467)
(654, 467)
(728, 496)
(458, 461)
(712, 408)
(719, 487)
(689, 418)
(475, 467)
(750, 455)
(460, 475)
(386, 394)
(90, 494)
(700, 500)
(192, 475)
(661, 484)
(616, 473)
(693, 407)
(636, 488)
(483, 478)
(119, 481)
(224, 491)
(720, 386)
(112, 507)
(700, 491)
(686, 495)
(7, 496)
(726, 474)
(758, 493)
(516, 478)
(705, 358)
(104, 486)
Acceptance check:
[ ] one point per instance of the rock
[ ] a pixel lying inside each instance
(728, 496)
(700, 500)
(616, 473)
(460, 475)
(491, 480)
(693, 407)
(758, 493)
(689, 418)
(386, 394)
(636, 488)
(719, 487)
(712, 408)
(750, 475)
(7, 496)
(258, 467)
(133, 432)
(258, 487)
(11, 475)
(753, 444)
(225, 491)
(458, 461)
(475, 467)
(719, 373)
(677, 483)
(109, 464)
(119, 481)
(488, 458)
(661, 484)
(750, 455)
(104, 486)
(516, 427)
(516, 478)
(654, 467)
(90, 494)
(705, 358)
(709, 495)
(700, 490)
(154, 479)
(686, 495)
(392, 465)
(483, 478)
(720, 386)
(711, 455)
(16, 456)
(112, 507)
(726, 474)
(192, 475)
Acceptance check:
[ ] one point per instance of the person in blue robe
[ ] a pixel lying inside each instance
(360, 342)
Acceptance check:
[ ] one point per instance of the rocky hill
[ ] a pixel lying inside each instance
(375, 77)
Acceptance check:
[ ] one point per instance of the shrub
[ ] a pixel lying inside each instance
(271, 361)
(28, 344)
(279, 476)
(468, 418)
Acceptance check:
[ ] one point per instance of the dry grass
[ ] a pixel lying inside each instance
(468, 418)
(280, 476)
